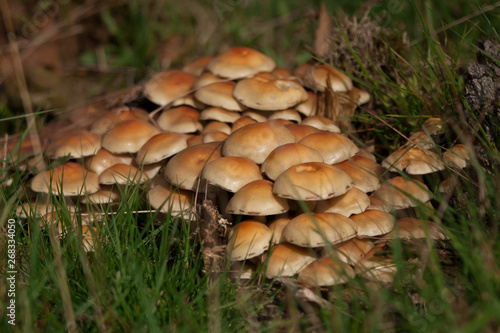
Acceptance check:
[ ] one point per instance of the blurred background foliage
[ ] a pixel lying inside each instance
(75, 50)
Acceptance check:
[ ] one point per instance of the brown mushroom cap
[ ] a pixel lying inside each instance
(456, 157)
(414, 160)
(308, 107)
(257, 198)
(219, 114)
(167, 199)
(184, 168)
(197, 66)
(319, 229)
(256, 141)
(334, 148)
(231, 173)
(286, 156)
(376, 268)
(363, 179)
(248, 239)
(128, 136)
(353, 201)
(214, 136)
(358, 96)
(264, 93)
(240, 62)
(258, 116)
(105, 195)
(402, 193)
(182, 119)
(379, 204)
(205, 79)
(219, 94)
(67, 179)
(312, 181)
(75, 145)
(105, 159)
(160, 147)
(373, 223)
(412, 228)
(321, 123)
(288, 114)
(316, 78)
(287, 260)
(115, 116)
(242, 122)
(165, 87)
(300, 131)
(433, 125)
(326, 272)
(216, 126)
(276, 226)
(351, 251)
(122, 174)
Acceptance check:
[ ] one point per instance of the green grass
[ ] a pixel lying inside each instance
(147, 271)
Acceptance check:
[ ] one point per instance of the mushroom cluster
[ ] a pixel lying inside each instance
(245, 133)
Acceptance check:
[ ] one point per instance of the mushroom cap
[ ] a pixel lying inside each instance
(182, 119)
(373, 223)
(183, 169)
(309, 106)
(312, 181)
(421, 140)
(258, 116)
(115, 116)
(188, 100)
(379, 204)
(287, 260)
(216, 126)
(414, 161)
(319, 229)
(376, 268)
(402, 193)
(41, 207)
(256, 141)
(334, 148)
(219, 114)
(231, 173)
(160, 147)
(165, 87)
(433, 125)
(316, 78)
(205, 79)
(241, 122)
(456, 157)
(351, 251)
(197, 66)
(240, 62)
(326, 271)
(353, 201)
(67, 179)
(105, 195)
(122, 174)
(168, 199)
(219, 94)
(214, 136)
(286, 156)
(257, 198)
(288, 114)
(75, 145)
(248, 239)
(363, 179)
(412, 228)
(358, 96)
(300, 131)
(276, 226)
(104, 159)
(264, 93)
(128, 136)
(321, 123)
